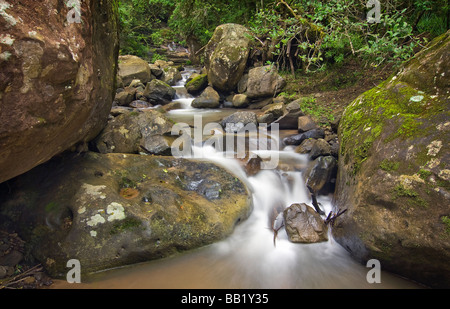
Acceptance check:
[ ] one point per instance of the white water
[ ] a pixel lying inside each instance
(248, 258)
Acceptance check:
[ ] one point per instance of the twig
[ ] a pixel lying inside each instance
(331, 218)
(21, 276)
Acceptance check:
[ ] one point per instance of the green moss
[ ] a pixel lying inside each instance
(391, 102)
(424, 174)
(413, 197)
(446, 221)
(124, 225)
(389, 166)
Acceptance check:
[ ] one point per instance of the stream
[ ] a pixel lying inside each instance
(249, 258)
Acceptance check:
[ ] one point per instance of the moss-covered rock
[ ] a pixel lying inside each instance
(226, 56)
(109, 210)
(394, 170)
(197, 84)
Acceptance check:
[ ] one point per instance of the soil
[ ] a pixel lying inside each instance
(338, 86)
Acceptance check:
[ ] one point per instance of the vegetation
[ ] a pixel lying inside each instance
(306, 35)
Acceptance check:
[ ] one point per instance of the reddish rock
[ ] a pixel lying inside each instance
(56, 79)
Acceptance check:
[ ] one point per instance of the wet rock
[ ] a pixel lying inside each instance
(304, 225)
(209, 98)
(226, 56)
(131, 68)
(297, 139)
(305, 146)
(6, 271)
(237, 121)
(56, 79)
(319, 173)
(103, 227)
(264, 82)
(158, 92)
(320, 148)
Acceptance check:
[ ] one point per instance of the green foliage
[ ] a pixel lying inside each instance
(389, 166)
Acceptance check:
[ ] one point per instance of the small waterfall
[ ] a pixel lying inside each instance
(250, 258)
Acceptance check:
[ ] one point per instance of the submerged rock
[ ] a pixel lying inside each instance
(304, 225)
(110, 210)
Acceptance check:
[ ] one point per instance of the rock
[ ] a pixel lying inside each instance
(305, 123)
(6, 271)
(171, 75)
(319, 173)
(304, 225)
(209, 98)
(240, 100)
(197, 84)
(305, 146)
(125, 97)
(119, 110)
(276, 109)
(264, 82)
(236, 122)
(289, 121)
(56, 79)
(140, 104)
(127, 132)
(158, 92)
(265, 118)
(260, 103)
(131, 68)
(393, 170)
(111, 210)
(11, 259)
(156, 70)
(320, 148)
(226, 56)
(297, 139)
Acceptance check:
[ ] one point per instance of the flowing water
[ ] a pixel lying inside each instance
(250, 258)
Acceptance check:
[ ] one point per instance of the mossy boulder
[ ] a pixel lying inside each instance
(393, 170)
(110, 210)
(226, 56)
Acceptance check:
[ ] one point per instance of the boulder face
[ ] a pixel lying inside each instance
(56, 79)
(131, 68)
(226, 56)
(110, 210)
(393, 174)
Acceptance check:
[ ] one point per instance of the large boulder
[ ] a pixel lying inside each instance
(394, 170)
(132, 67)
(226, 56)
(111, 210)
(264, 82)
(56, 79)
